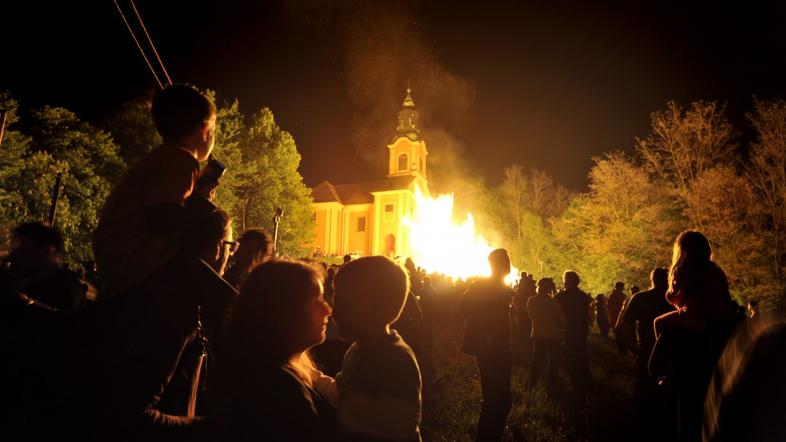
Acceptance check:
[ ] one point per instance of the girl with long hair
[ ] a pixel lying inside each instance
(267, 378)
(691, 338)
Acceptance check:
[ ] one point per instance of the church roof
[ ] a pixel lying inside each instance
(325, 192)
(358, 193)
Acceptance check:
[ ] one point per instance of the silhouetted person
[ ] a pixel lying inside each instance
(614, 303)
(575, 304)
(548, 321)
(378, 391)
(614, 306)
(430, 304)
(524, 291)
(146, 333)
(255, 247)
(347, 258)
(690, 339)
(142, 220)
(486, 307)
(637, 321)
(35, 260)
(746, 396)
(601, 316)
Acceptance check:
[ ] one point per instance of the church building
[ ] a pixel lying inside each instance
(366, 218)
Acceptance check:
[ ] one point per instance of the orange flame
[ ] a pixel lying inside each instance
(438, 244)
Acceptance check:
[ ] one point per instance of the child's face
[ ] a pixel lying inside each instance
(207, 139)
(347, 315)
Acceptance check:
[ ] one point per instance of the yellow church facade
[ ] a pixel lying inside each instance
(367, 218)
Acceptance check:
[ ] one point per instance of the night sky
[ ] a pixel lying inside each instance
(543, 85)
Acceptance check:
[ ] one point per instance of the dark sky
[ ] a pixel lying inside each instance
(546, 85)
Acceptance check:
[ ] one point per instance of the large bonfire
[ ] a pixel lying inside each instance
(441, 245)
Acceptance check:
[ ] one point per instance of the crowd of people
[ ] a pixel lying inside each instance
(182, 332)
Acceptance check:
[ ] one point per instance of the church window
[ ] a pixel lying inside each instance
(388, 212)
(402, 162)
(362, 224)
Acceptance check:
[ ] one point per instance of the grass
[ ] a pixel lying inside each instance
(451, 396)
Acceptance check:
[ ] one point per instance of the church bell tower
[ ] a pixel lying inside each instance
(407, 152)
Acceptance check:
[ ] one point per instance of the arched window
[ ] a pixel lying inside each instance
(402, 162)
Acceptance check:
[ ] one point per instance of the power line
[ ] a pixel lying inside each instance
(150, 40)
(139, 46)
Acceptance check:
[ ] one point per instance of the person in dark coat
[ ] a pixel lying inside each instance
(637, 320)
(486, 308)
(575, 304)
(601, 316)
(525, 290)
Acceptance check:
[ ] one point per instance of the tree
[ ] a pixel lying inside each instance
(523, 205)
(12, 150)
(133, 129)
(685, 144)
(766, 173)
(56, 141)
(230, 135)
(730, 212)
(274, 181)
(621, 229)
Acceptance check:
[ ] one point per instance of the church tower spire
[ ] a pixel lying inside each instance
(407, 151)
(408, 118)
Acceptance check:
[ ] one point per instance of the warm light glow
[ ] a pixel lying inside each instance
(438, 244)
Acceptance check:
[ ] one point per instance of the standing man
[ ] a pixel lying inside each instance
(637, 325)
(548, 320)
(615, 301)
(614, 307)
(575, 304)
(486, 307)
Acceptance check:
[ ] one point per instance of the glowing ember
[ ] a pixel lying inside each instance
(438, 244)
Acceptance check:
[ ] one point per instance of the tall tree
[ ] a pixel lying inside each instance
(622, 228)
(230, 135)
(55, 141)
(524, 205)
(686, 143)
(766, 173)
(133, 129)
(274, 182)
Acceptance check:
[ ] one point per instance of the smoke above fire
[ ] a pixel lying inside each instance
(383, 49)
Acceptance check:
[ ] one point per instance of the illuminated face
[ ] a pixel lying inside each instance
(207, 139)
(316, 313)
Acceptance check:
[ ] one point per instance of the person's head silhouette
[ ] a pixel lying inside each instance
(570, 279)
(499, 260)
